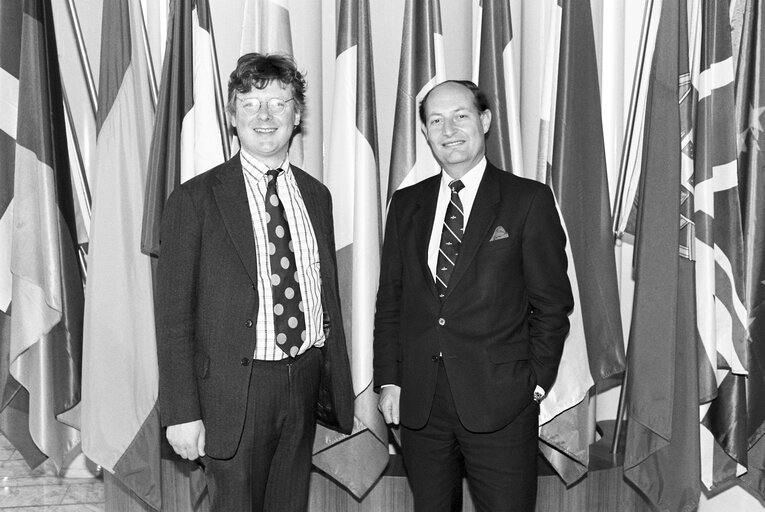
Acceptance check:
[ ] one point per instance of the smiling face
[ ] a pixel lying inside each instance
(265, 135)
(455, 128)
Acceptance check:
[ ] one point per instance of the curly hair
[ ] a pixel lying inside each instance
(258, 70)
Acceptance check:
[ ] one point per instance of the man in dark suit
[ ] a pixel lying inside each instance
(250, 339)
(472, 312)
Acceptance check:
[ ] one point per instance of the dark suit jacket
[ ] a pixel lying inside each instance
(503, 321)
(207, 305)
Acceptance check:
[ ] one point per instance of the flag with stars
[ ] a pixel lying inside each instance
(750, 120)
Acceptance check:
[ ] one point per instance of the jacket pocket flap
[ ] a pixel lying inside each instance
(502, 353)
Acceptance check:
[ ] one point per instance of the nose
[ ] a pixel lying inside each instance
(264, 113)
(448, 128)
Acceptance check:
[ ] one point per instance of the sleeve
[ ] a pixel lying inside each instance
(549, 290)
(387, 350)
(175, 296)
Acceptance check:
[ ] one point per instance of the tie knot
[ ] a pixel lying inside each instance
(456, 186)
(272, 174)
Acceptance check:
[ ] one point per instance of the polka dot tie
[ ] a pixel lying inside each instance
(451, 239)
(289, 321)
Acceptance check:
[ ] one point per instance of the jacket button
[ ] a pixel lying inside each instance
(441, 321)
(248, 324)
(245, 361)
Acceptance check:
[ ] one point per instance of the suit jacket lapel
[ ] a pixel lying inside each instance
(231, 197)
(422, 220)
(481, 219)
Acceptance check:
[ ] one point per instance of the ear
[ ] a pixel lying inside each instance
(486, 120)
(231, 118)
(297, 119)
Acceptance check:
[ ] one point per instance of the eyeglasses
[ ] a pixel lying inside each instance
(275, 105)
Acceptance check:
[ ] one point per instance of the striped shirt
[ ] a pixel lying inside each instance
(306, 257)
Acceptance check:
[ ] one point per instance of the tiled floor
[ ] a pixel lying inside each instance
(24, 490)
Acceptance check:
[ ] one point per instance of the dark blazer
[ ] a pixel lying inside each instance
(503, 321)
(207, 304)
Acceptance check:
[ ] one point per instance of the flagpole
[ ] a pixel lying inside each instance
(147, 51)
(619, 417)
(84, 61)
(81, 177)
(621, 209)
(219, 105)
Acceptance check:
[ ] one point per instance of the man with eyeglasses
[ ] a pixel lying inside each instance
(251, 346)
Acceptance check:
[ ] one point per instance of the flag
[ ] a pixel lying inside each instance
(496, 78)
(718, 249)
(266, 29)
(44, 345)
(120, 423)
(750, 118)
(189, 133)
(662, 440)
(421, 67)
(548, 96)
(579, 180)
(356, 461)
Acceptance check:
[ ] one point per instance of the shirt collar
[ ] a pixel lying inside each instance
(258, 169)
(470, 179)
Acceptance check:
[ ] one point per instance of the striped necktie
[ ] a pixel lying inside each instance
(451, 238)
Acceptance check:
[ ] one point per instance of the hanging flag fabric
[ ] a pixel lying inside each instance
(579, 181)
(662, 440)
(14, 399)
(718, 249)
(355, 461)
(120, 423)
(189, 135)
(44, 345)
(496, 78)
(421, 67)
(750, 119)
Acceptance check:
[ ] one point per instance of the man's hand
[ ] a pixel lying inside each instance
(188, 439)
(388, 404)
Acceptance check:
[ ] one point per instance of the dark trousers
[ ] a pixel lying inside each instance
(500, 466)
(270, 471)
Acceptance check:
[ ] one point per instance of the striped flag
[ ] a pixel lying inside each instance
(662, 440)
(189, 133)
(356, 461)
(421, 67)
(750, 117)
(718, 247)
(44, 341)
(120, 424)
(579, 179)
(496, 78)
(14, 399)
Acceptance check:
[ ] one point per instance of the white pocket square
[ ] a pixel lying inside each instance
(499, 234)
